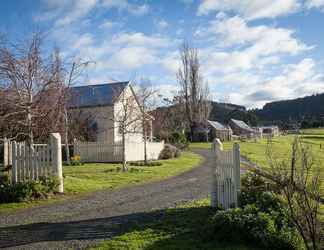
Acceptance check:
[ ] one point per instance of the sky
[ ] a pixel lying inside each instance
(251, 51)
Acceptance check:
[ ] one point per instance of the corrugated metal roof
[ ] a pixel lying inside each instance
(95, 95)
(217, 125)
(242, 125)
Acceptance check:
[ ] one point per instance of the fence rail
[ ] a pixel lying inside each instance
(226, 176)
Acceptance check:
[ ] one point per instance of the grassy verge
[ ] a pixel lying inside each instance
(180, 228)
(79, 180)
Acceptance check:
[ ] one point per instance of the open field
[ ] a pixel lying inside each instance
(79, 180)
(179, 228)
(256, 151)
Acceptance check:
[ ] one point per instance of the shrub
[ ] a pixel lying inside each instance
(169, 152)
(148, 164)
(18, 192)
(249, 224)
(179, 140)
(76, 160)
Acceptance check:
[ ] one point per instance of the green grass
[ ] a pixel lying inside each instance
(92, 177)
(200, 145)
(179, 228)
(281, 145)
(80, 180)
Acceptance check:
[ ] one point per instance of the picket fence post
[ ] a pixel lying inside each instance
(6, 152)
(57, 159)
(217, 146)
(14, 178)
(237, 167)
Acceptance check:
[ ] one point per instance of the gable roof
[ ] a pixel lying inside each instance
(217, 125)
(95, 95)
(242, 125)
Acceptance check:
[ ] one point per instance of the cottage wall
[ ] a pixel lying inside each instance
(102, 120)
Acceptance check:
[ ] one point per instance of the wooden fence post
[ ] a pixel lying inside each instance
(56, 147)
(237, 166)
(14, 178)
(5, 152)
(217, 146)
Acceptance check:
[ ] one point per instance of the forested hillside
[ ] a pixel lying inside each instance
(308, 110)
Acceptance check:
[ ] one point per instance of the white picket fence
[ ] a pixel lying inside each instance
(98, 151)
(30, 162)
(226, 176)
(107, 152)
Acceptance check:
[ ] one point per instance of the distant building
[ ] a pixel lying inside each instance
(269, 131)
(240, 128)
(220, 131)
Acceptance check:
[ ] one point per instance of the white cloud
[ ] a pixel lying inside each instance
(161, 24)
(124, 5)
(314, 4)
(295, 80)
(243, 47)
(66, 11)
(250, 9)
(140, 39)
(107, 24)
(132, 57)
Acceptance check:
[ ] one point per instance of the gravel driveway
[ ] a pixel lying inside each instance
(78, 224)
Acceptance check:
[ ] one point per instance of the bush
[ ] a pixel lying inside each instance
(249, 224)
(255, 190)
(169, 152)
(148, 164)
(76, 160)
(18, 192)
(179, 140)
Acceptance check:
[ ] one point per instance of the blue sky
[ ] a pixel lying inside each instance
(251, 51)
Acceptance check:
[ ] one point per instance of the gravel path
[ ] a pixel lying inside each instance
(78, 224)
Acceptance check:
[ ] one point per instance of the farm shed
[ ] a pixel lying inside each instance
(269, 131)
(240, 128)
(220, 131)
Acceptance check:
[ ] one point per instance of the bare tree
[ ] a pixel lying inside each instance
(30, 88)
(194, 91)
(299, 181)
(71, 76)
(146, 97)
(126, 118)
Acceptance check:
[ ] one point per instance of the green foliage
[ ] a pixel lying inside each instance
(28, 191)
(148, 164)
(169, 152)
(256, 190)
(75, 161)
(179, 140)
(249, 224)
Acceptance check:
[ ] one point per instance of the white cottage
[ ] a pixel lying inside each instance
(105, 103)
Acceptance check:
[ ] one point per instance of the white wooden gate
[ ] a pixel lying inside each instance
(226, 176)
(31, 162)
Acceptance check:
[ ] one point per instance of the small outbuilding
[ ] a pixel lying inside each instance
(240, 128)
(220, 131)
(269, 131)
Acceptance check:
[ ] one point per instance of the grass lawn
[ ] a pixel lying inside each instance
(256, 151)
(79, 180)
(179, 228)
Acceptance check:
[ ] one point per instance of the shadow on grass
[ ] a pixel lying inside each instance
(183, 228)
